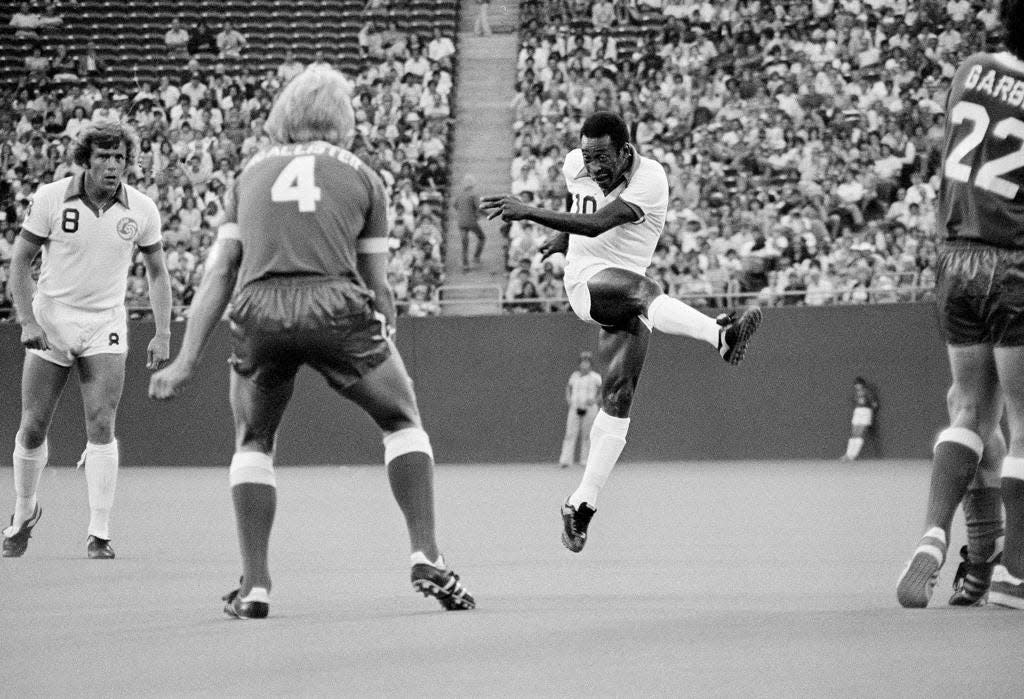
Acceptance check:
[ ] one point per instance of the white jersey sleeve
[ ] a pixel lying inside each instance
(41, 206)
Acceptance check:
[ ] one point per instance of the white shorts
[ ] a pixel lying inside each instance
(862, 417)
(578, 293)
(73, 332)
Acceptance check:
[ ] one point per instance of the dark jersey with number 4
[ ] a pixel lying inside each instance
(982, 192)
(299, 210)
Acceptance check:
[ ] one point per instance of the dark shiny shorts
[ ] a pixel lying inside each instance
(277, 325)
(979, 291)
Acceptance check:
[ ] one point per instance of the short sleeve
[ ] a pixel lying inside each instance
(37, 222)
(150, 235)
(228, 228)
(374, 236)
(647, 189)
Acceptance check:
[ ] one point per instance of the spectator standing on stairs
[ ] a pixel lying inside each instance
(467, 217)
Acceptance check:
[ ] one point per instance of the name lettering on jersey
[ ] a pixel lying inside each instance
(314, 148)
(995, 85)
(128, 228)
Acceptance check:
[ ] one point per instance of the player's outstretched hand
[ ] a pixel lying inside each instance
(33, 337)
(558, 242)
(169, 381)
(506, 206)
(158, 352)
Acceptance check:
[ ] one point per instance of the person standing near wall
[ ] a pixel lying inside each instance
(582, 394)
(467, 219)
(482, 25)
(88, 227)
(865, 412)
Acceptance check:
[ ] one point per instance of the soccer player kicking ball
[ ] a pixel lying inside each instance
(305, 244)
(980, 299)
(88, 227)
(619, 200)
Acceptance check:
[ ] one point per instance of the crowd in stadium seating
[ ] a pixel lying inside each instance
(197, 134)
(800, 139)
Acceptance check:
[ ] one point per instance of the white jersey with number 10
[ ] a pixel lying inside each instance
(629, 246)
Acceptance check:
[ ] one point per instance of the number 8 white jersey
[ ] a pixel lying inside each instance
(982, 192)
(629, 246)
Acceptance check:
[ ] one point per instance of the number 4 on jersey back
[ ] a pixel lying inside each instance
(296, 183)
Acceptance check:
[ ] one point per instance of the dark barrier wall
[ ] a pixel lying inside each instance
(491, 389)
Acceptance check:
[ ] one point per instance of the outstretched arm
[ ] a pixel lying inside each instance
(207, 309)
(616, 213)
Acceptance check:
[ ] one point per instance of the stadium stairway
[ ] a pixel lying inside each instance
(483, 150)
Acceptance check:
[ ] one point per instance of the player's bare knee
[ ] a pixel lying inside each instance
(617, 399)
(31, 433)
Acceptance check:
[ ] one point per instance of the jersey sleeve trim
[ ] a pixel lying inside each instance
(636, 208)
(369, 246)
(151, 248)
(32, 237)
(229, 231)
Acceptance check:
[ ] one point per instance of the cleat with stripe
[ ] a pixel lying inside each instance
(442, 584)
(917, 582)
(1006, 590)
(255, 605)
(972, 580)
(734, 335)
(16, 544)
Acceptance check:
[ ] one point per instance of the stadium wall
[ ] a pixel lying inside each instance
(491, 389)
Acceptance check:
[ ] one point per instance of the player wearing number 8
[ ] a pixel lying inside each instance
(980, 300)
(88, 227)
(304, 244)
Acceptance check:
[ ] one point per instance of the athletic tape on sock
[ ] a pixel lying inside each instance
(963, 437)
(614, 426)
(252, 467)
(407, 441)
(23, 452)
(1013, 467)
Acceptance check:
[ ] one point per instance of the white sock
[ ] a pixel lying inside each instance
(672, 316)
(607, 438)
(419, 557)
(853, 447)
(28, 468)
(101, 463)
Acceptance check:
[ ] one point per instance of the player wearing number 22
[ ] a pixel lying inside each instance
(980, 298)
(304, 249)
(88, 227)
(618, 201)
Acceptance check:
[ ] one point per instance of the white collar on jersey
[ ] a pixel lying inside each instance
(632, 169)
(1009, 60)
(76, 190)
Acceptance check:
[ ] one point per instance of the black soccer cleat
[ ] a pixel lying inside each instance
(98, 548)
(972, 580)
(443, 584)
(255, 605)
(734, 335)
(16, 544)
(574, 525)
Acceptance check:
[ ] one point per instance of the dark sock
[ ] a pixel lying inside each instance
(953, 467)
(983, 512)
(255, 504)
(412, 483)
(1013, 501)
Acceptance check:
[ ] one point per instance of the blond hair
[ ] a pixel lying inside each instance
(315, 105)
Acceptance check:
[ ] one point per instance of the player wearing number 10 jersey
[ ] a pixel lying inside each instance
(980, 298)
(618, 204)
(305, 247)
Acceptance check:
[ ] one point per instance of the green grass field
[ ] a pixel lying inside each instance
(699, 579)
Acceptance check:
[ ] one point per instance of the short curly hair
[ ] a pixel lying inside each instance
(608, 124)
(1011, 14)
(105, 134)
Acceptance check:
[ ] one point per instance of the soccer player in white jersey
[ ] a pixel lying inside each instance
(618, 204)
(87, 226)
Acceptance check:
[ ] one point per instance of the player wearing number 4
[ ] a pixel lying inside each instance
(619, 201)
(305, 245)
(87, 226)
(980, 298)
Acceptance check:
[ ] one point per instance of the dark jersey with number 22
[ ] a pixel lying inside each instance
(982, 192)
(299, 209)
